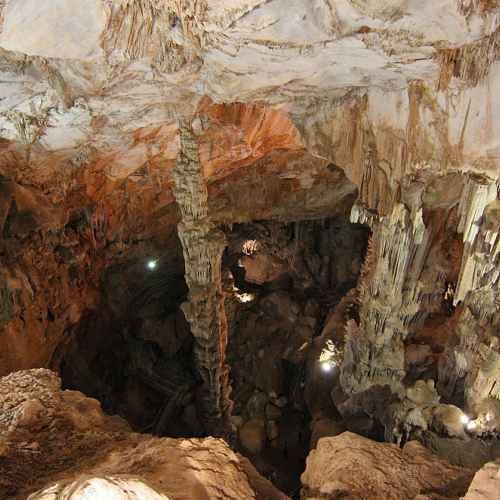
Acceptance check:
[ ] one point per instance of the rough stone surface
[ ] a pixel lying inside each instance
(62, 437)
(350, 466)
(298, 110)
(486, 483)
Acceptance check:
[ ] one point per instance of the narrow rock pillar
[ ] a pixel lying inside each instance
(203, 245)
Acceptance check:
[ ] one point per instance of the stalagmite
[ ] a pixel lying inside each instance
(203, 245)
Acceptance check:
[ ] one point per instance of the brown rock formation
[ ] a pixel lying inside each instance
(350, 466)
(61, 437)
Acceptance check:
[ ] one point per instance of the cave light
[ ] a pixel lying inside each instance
(471, 425)
(250, 247)
(152, 264)
(330, 357)
(465, 419)
(327, 366)
(489, 417)
(242, 296)
(245, 297)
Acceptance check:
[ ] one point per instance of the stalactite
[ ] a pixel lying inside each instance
(482, 245)
(470, 63)
(203, 245)
(473, 353)
(389, 299)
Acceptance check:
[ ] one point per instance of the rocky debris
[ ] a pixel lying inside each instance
(485, 484)
(281, 280)
(352, 466)
(59, 438)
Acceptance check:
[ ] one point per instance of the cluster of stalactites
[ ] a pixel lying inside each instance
(203, 245)
(390, 295)
(395, 299)
(473, 353)
(480, 225)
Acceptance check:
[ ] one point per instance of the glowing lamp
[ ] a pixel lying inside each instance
(326, 366)
(152, 264)
(464, 419)
(471, 425)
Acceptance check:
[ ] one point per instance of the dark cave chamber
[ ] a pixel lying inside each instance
(281, 282)
(134, 353)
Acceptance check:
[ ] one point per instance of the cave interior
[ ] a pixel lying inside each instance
(249, 249)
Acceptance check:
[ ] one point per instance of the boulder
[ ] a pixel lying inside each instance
(261, 268)
(447, 420)
(253, 435)
(71, 449)
(486, 483)
(351, 466)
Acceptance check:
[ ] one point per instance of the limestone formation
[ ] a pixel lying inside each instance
(62, 445)
(350, 466)
(203, 245)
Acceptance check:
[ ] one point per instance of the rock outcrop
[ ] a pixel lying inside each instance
(485, 483)
(350, 466)
(53, 437)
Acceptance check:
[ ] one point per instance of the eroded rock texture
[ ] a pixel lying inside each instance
(61, 437)
(350, 466)
(485, 483)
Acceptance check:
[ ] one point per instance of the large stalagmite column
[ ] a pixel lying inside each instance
(203, 245)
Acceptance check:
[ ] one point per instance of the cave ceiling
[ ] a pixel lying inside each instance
(92, 95)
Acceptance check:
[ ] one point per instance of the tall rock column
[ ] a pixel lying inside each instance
(203, 245)
(389, 300)
(470, 368)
